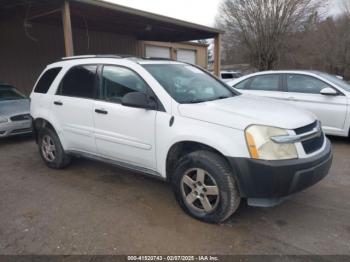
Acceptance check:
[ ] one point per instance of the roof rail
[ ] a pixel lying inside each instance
(114, 56)
(158, 58)
(88, 56)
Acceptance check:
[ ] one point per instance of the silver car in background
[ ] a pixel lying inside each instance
(14, 112)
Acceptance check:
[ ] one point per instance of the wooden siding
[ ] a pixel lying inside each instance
(22, 59)
(201, 50)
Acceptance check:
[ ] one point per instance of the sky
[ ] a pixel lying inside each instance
(197, 11)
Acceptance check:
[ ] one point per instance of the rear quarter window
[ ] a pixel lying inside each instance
(46, 80)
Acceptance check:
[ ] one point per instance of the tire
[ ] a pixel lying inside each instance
(51, 150)
(216, 174)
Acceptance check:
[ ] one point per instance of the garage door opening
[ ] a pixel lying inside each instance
(187, 56)
(157, 51)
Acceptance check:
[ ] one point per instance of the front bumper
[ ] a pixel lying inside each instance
(266, 183)
(15, 128)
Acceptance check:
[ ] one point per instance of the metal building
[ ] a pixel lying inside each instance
(36, 32)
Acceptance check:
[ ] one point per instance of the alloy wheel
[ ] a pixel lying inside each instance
(200, 190)
(48, 148)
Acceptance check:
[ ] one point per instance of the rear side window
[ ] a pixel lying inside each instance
(46, 80)
(265, 83)
(79, 82)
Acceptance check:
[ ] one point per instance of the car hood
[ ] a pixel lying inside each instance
(14, 107)
(243, 110)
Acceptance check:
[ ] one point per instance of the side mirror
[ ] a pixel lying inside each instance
(328, 92)
(138, 100)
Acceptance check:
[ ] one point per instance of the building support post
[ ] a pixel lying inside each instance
(67, 29)
(217, 54)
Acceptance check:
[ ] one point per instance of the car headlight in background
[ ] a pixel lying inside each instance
(3, 120)
(262, 147)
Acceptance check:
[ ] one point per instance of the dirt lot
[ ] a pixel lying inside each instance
(92, 208)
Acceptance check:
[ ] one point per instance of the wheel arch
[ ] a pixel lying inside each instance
(184, 147)
(39, 123)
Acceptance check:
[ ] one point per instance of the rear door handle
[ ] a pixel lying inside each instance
(101, 111)
(58, 103)
(292, 98)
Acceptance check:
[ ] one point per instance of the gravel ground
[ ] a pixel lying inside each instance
(93, 208)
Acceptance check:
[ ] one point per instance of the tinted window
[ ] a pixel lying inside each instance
(230, 75)
(337, 81)
(265, 83)
(243, 84)
(118, 81)
(227, 76)
(10, 93)
(188, 84)
(79, 82)
(304, 84)
(46, 80)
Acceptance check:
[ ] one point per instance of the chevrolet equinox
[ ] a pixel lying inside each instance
(177, 122)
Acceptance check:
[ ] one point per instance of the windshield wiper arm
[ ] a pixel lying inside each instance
(195, 101)
(222, 97)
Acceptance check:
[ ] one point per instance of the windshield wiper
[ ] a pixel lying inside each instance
(195, 101)
(222, 97)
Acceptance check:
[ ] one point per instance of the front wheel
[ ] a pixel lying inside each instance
(205, 187)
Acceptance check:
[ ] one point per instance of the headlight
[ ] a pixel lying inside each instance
(262, 147)
(3, 120)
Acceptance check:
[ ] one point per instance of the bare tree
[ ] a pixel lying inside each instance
(262, 26)
(346, 6)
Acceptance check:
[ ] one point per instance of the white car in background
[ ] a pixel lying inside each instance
(325, 95)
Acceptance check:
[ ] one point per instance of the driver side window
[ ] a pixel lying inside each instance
(118, 81)
(304, 84)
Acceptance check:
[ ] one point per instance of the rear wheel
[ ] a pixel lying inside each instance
(51, 150)
(205, 187)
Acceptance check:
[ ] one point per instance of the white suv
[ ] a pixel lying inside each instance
(177, 122)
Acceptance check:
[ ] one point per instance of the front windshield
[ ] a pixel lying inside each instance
(188, 84)
(9, 93)
(337, 81)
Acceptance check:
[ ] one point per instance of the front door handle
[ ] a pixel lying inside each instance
(101, 111)
(292, 98)
(58, 103)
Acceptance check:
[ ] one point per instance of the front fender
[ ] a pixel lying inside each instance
(229, 142)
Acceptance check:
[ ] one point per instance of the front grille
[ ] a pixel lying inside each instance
(313, 144)
(304, 129)
(20, 117)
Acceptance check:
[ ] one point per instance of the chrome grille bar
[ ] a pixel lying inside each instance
(289, 139)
